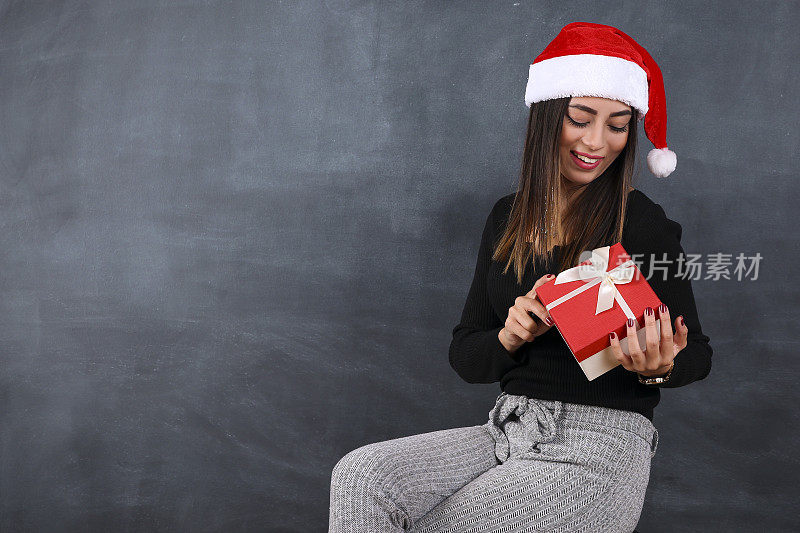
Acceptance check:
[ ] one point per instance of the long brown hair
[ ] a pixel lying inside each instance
(594, 218)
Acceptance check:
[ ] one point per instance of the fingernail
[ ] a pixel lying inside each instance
(630, 322)
(612, 336)
(548, 321)
(648, 311)
(680, 318)
(662, 308)
(550, 275)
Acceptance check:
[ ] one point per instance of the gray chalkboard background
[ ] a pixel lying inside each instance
(236, 236)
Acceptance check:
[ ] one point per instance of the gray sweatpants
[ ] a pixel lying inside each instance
(535, 465)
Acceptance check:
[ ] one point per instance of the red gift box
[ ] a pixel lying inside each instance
(593, 299)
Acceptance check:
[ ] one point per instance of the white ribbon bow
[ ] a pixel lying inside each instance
(594, 273)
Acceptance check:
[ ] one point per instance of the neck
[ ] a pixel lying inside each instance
(569, 191)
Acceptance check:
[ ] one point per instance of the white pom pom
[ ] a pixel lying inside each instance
(661, 161)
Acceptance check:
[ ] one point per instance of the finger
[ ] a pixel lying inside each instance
(652, 349)
(519, 311)
(623, 359)
(531, 315)
(681, 334)
(541, 281)
(666, 330)
(513, 326)
(544, 315)
(634, 351)
(538, 308)
(514, 337)
(533, 306)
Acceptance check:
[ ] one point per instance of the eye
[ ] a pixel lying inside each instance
(583, 125)
(577, 124)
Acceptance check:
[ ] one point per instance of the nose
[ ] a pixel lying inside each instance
(594, 138)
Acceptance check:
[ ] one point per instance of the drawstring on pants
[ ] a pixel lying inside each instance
(538, 420)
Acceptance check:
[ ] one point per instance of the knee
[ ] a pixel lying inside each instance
(363, 467)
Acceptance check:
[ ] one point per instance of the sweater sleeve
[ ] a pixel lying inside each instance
(658, 239)
(476, 353)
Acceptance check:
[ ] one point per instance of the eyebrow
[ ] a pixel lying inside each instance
(593, 112)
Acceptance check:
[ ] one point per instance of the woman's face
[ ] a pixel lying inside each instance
(594, 127)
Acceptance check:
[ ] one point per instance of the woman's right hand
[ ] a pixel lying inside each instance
(520, 326)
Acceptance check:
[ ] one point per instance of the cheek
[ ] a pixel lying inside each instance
(617, 144)
(569, 136)
(621, 140)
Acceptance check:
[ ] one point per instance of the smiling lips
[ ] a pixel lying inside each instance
(588, 162)
(590, 156)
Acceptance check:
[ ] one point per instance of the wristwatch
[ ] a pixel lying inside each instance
(654, 381)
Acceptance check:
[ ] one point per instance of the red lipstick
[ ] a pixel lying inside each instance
(589, 155)
(583, 165)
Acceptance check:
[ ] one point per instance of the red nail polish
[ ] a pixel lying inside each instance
(648, 311)
(631, 322)
(681, 320)
(662, 308)
(548, 321)
(612, 336)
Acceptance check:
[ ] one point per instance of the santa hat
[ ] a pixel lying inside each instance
(587, 59)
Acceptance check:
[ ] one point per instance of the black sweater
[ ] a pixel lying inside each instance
(545, 368)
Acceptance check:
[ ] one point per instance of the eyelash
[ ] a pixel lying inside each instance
(583, 125)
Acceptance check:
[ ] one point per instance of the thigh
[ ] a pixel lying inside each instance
(591, 478)
(412, 474)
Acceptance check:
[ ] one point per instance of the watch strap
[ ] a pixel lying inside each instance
(656, 380)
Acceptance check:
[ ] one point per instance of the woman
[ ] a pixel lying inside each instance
(559, 452)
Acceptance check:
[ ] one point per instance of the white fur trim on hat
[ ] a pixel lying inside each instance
(661, 161)
(588, 75)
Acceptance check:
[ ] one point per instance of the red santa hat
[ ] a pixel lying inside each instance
(587, 59)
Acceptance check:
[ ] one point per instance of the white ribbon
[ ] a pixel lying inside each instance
(594, 273)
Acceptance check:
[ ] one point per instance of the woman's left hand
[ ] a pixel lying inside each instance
(657, 356)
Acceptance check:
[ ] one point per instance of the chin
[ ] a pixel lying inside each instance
(583, 179)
